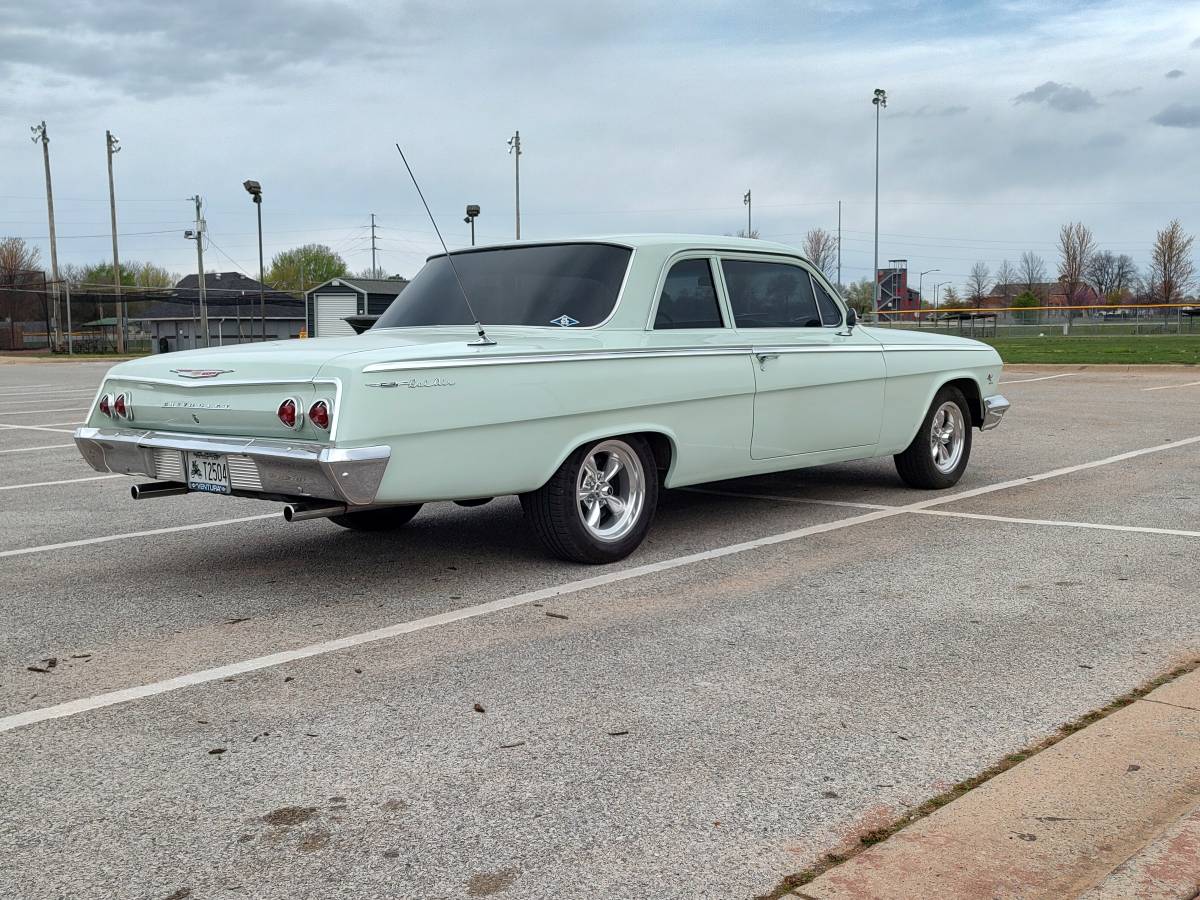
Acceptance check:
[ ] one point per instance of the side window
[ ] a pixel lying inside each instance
(830, 313)
(770, 295)
(688, 299)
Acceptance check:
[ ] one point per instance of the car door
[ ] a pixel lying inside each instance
(818, 385)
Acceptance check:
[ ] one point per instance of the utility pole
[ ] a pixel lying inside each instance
(374, 268)
(839, 284)
(113, 146)
(880, 101)
(514, 147)
(41, 134)
(749, 208)
(198, 236)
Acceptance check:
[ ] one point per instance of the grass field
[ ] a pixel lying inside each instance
(1122, 349)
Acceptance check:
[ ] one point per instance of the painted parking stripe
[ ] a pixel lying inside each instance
(112, 698)
(42, 412)
(42, 427)
(108, 538)
(1167, 387)
(1059, 523)
(33, 484)
(1040, 378)
(32, 449)
(41, 393)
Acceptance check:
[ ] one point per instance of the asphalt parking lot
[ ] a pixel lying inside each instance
(787, 660)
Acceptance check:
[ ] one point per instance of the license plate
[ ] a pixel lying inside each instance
(208, 472)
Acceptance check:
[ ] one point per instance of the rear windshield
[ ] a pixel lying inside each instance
(554, 285)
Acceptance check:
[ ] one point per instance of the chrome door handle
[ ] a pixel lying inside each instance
(762, 359)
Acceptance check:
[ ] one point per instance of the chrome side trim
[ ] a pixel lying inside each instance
(578, 356)
(854, 348)
(934, 348)
(994, 408)
(294, 469)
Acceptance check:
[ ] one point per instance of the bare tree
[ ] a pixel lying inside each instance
(820, 246)
(978, 283)
(1111, 275)
(1126, 275)
(1032, 272)
(19, 276)
(1075, 249)
(1171, 266)
(743, 233)
(1006, 280)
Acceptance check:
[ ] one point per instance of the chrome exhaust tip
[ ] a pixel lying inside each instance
(153, 489)
(300, 512)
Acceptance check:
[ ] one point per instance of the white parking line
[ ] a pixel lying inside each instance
(1167, 387)
(1040, 378)
(108, 538)
(41, 393)
(42, 412)
(1098, 526)
(48, 427)
(111, 698)
(33, 484)
(43, 447)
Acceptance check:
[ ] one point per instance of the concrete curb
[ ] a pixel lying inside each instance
(1113, 805)
(1168, 868)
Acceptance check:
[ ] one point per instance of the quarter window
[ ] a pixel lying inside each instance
(688, 299)
(830, 313)
(770, 295)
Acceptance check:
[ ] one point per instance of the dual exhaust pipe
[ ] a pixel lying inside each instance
(293, 512)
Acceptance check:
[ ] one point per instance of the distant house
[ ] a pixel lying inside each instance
(234, 314)
(332, 302)
(1049, 293)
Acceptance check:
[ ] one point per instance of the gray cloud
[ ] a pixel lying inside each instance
(1196, 44)
(1106, 140)
(150, 49)
(1179, 115)
(1174, 73)
(1063, 97)
(1125, 92)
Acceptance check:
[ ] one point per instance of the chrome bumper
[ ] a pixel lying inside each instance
(994, 408)
(256, 465)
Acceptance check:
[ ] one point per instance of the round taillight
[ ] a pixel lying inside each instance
(120, 406)
(318, 414)
(106, 405)
(289, 413)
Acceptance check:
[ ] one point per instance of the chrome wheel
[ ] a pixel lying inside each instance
(610, 490)
(947, 436)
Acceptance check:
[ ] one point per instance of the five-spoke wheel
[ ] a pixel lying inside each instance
(938, 455)
(597, 507)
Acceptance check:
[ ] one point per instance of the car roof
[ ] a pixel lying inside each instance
(670, 242)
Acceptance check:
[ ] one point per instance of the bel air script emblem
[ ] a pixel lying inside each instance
(413, 383)
(200, 373)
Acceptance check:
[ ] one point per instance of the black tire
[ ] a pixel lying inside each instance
(554, 509)
(916, 464)
(386, 518)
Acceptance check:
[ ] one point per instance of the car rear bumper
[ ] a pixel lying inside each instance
(256, 465)
(994, 408)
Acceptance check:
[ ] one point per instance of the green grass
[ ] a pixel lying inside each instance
(1119, 349)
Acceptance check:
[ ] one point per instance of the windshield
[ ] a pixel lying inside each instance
(554, 285)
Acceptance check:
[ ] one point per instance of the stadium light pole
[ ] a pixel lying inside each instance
(921, 292)
(880, 101)
(472, 212)
(254, 189)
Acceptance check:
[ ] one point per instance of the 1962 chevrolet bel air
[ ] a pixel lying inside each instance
(612, 368)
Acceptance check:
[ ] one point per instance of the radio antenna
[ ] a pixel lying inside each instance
(484, 340)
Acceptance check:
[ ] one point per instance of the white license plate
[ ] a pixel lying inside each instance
(208, 472)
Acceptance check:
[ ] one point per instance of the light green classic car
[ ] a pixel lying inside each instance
(610, 368)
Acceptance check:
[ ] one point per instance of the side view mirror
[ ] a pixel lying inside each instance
(851, 319)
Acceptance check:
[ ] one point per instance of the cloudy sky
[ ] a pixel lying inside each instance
(1004, 120)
